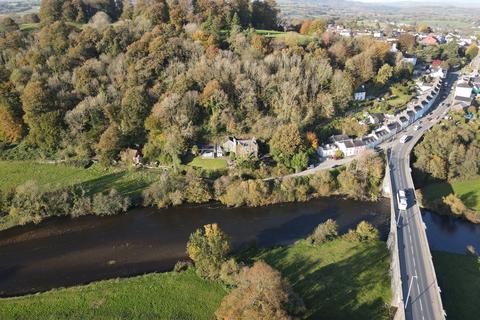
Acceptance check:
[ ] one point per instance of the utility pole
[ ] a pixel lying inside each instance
(409, 288)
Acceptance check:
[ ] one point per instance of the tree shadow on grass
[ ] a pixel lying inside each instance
(338, 290)
(470, 199)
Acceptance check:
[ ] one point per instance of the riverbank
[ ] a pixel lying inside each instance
(459, 278)
(458, 199)
(337, 280)
(41, 191)
(65, 252)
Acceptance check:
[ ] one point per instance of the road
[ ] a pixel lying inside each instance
(419, 283)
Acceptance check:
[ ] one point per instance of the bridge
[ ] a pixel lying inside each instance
(416, 293)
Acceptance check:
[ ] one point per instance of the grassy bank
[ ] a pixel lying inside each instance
(153, 296)
(339, 279)
(94, 179)
(459, 278)
(468, 191)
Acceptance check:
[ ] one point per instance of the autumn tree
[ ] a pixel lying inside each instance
(208, 248)
(324, 232)
(286, 143)
(273, 296)
(472, 51)
(384, 74)
(11, 124)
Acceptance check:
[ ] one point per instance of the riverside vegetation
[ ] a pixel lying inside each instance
(351, 270)
(32, 202)
(447, 162)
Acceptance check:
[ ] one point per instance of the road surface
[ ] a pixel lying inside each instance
(419, 284)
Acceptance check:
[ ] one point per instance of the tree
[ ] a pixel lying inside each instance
(367, 232)
(208, 248)
(262, 293)
(406, 42)
(323, 183)
(264, 14)
(50, 10)
(286, 143)
(423, 28)
(472, 51)
(324, 232)
(11, 124)
(384, 74)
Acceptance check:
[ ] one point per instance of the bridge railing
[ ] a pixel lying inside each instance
(392, 243)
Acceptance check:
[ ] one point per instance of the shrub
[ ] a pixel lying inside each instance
(324, 232)
(109, 204)
(182, 265)
(229, 272)
(208, 248)
(366, 231)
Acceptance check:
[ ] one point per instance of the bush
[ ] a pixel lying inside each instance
(208, 248)
(324, 232)
(182, 265)
(367, 232)
(229, 272)
(109, 204)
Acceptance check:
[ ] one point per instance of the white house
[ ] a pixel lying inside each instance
(347, 147)
(327, 150)
(360, 94)
(403, 120)
(370, 141)
(376, 118)
(463, 89)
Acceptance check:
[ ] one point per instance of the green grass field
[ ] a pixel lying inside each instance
(209, 164)
(339, 279)
(468, 191)
(153, 296)
(459, 278)
(270, 33)
(94, 179)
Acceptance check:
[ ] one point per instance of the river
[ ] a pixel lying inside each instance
(446, 233)
(63, 252)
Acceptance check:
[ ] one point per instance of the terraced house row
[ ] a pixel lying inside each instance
(389, 126)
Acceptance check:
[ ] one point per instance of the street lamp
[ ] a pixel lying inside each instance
(409, 288)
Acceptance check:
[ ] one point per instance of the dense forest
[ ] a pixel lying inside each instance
(100, 76)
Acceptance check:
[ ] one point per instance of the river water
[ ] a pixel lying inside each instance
(63, 252)
(450, 234)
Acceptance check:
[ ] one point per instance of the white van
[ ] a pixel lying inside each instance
(404, 138)
(402, 200)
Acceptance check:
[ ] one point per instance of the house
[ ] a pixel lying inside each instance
(359, 146)
(338, 138)
(418, 112)
(327, 150)
(370, 141)
(347, 147)
(404, 121)
(463, 90)
(360, 94)
(436, 63)
(411, 116)
(380, 134)
(376, 118)
(241, 148)
(211, 151)
(438, 72)
(429, 41)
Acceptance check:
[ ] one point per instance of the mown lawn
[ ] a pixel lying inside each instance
(468, 191)
(459, 278)
(209, 164)
(153, 296)
(339, 279)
